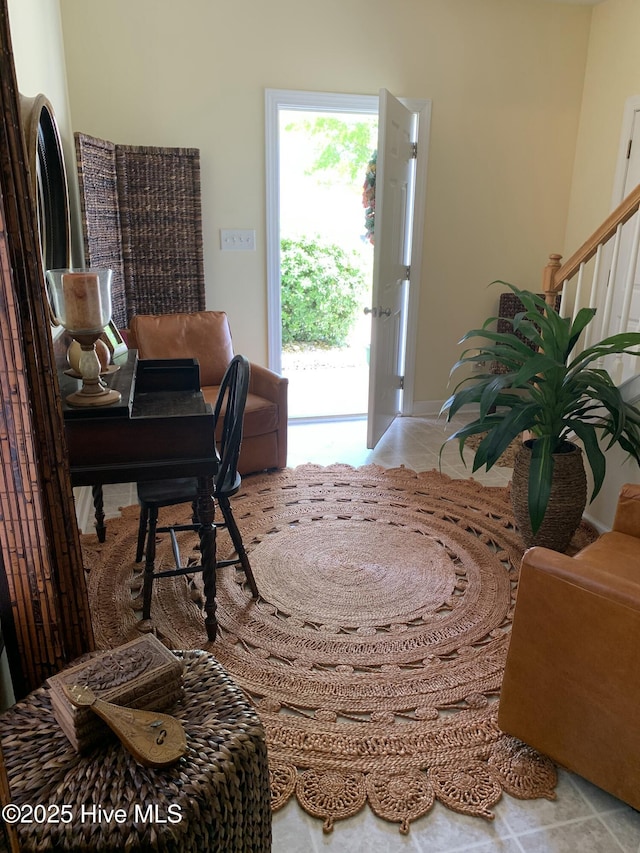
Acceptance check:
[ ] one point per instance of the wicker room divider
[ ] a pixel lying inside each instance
(98, 186)
(142, 217)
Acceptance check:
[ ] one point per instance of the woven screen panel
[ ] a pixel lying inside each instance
(161, 227)
(509, 306)
(97, 181)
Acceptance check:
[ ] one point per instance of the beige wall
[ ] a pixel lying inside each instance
(38, 51)
(612, 76)
(509, 118)
(36, 36)
(505, 77)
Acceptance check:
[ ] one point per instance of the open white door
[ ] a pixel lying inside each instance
(392, 258)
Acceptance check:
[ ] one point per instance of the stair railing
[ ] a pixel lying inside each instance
(571, 279)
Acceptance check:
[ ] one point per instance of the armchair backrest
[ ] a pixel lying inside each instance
(204, 335)
(627, 519)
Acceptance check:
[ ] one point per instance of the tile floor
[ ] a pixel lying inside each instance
(582, 818)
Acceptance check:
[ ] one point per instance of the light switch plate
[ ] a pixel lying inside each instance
(237, 239)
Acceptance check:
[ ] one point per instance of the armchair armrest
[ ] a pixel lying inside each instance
(571, 687)
(587, 573)
(265, 383)
(273, 387)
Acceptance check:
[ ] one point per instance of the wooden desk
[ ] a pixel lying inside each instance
(161, 429)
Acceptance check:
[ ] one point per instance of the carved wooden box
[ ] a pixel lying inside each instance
(139, 674)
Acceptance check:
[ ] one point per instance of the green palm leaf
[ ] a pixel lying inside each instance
(491, 448)
(583, 318)
(597, 462)
(540, 477)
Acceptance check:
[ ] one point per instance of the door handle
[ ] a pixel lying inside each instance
(378, 312)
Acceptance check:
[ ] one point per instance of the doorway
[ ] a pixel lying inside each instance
(325, 264)
(326, 260)
(278, 102)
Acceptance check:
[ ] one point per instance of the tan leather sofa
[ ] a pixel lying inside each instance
(572, 680)
(206, 336)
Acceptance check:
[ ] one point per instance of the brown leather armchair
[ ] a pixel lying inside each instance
(206, 336)
(571, 687)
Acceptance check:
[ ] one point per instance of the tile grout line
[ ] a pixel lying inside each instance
(480, 845)
(598, 814)
(562, 823)
(611, 833)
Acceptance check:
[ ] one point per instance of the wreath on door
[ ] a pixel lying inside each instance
(369, 197)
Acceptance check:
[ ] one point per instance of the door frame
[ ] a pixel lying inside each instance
(631, 107)
(293, 99)
(630, 388)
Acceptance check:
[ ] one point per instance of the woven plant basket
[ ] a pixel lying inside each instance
(509, 306)
(567, 500)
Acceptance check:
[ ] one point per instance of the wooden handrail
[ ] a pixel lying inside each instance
(555, 275)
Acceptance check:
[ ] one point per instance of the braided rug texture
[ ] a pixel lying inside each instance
(374, 654)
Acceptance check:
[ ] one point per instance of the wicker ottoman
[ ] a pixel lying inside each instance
(216, 798)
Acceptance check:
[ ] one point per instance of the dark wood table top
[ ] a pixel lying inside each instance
(161, 428)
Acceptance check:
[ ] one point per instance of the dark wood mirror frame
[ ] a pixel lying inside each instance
(45, 158)
(44, 607)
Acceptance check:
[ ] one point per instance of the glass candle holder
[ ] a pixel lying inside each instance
(82, 305)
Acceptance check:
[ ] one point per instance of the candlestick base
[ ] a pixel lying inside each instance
(106, 397)
(94, 391)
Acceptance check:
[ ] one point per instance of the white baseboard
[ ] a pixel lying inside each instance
(426, 408)
(431, 408)
(599, 526)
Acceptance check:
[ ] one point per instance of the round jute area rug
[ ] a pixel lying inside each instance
(375, 651)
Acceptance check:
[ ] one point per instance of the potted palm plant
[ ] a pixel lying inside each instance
(548, 390)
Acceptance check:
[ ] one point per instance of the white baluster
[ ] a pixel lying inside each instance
(604, 328)
(593, 295)
(576, 302)
(630, 278)
(563, 299)
(623, 325)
